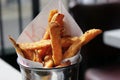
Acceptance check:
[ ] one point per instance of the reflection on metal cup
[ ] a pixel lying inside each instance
(63, 73)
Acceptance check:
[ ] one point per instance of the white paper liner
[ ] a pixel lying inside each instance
(35, 30)
(28, 63)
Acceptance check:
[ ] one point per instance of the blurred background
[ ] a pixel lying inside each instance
(102, 14)
(15, 15)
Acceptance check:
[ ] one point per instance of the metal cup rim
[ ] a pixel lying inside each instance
(54, 68)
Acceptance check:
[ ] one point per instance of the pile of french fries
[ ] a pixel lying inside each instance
(55, 46)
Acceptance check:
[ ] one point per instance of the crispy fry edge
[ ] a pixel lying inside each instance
(84, 39)
(15, 45)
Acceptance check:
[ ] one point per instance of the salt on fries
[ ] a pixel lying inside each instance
(55, 45)
(84, 39)
(65, 42)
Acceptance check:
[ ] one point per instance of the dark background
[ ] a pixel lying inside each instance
(96, 54)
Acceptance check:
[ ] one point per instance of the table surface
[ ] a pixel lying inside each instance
(112, 38)
(7, 72)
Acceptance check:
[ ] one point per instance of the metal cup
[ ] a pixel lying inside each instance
(63, 73)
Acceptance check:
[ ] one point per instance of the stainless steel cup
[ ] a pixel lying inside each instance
(63, 73)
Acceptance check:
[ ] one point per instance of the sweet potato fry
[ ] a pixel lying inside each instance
(55, 43)
(84, 39)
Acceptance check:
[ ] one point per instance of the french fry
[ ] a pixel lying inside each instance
(58, 18)
(39, 54)
(89, 35)
(65, 42)
(47, 57)
(16, 46)
(29, 54)
(84, 39)
(48, 61)
(37, 50)
(37, 57)
(54, 16)
(48, 51)
(35, 45)
(55, 43)
(51, 14)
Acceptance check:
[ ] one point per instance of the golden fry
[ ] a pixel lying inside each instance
(84, 39)
(40, 53)
(51, 14)
(29, 54)
(72, 50)
(37, 57)
(48, 64)
(55, 43)
(16, 46)
(50, 49)
(48, 61)
(58, 18)
(89, 35)
(35, 45)
(65, 42)
(54, 16)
